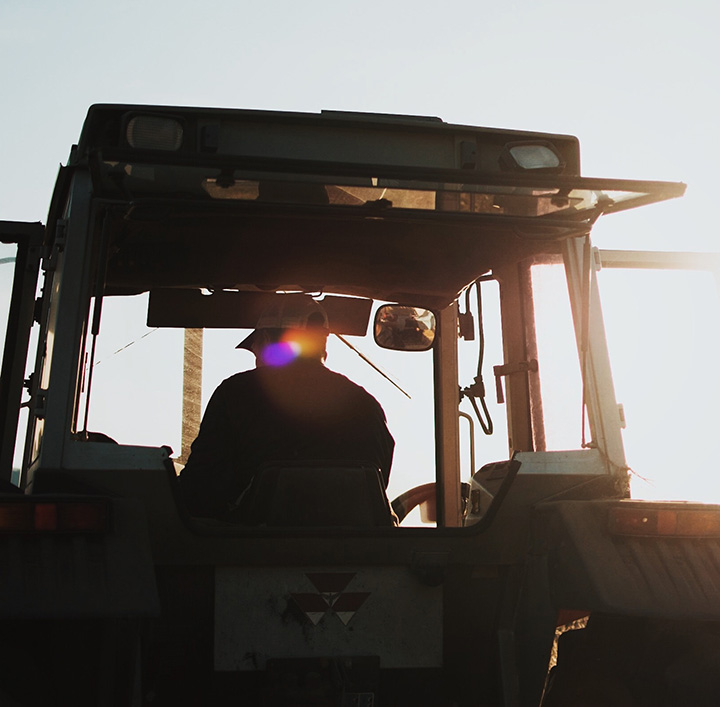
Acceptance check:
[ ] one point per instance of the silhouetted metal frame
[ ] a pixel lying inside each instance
(648, 192)
(29, 238)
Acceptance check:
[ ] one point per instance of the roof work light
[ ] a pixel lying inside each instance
(538, 156)
(154, 132)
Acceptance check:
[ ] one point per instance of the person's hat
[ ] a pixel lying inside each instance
(290, 312)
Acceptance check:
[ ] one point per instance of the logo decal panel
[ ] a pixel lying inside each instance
(331, 597)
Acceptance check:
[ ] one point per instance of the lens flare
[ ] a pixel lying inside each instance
(281, 353)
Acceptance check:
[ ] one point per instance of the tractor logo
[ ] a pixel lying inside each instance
(330, 597)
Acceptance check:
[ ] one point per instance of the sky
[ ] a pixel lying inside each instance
(637, 81)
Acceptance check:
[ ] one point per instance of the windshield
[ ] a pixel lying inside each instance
(136, 395)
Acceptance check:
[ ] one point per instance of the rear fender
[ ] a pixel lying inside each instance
(593, 567)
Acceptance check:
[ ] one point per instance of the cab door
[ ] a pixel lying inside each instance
(662, 312)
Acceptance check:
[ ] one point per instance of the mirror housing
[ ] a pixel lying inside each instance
(403, 328)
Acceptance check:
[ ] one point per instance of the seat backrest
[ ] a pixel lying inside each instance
(317, 494)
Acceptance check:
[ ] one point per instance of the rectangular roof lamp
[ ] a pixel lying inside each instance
(154, 132)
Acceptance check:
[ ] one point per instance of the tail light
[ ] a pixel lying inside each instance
(665, 522)
(54, 516)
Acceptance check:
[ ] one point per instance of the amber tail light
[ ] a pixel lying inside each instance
(666, 522)
(57, 516)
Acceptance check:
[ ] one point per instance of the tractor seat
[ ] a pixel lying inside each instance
(316, 494)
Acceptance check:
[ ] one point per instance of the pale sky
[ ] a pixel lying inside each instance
(637, 81)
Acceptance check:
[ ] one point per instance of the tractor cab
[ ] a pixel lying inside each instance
(457, 272)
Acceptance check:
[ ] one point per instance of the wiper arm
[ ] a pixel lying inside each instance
(370, 363)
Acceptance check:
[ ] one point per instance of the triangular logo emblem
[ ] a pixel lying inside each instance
(330, 597)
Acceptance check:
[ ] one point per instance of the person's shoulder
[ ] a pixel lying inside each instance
(339, 378)
(238, 380)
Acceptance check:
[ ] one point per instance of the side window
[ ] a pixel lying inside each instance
(558, 361)
(136, 385)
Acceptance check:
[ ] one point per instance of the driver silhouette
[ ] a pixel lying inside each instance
(290, 407)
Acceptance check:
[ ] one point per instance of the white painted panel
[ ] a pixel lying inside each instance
(580, 461)
(263, 613)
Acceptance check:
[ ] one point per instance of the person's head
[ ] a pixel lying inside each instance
(292, 327)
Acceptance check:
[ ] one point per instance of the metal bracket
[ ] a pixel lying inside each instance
(51, 256)
(510, 369)
(39, 404)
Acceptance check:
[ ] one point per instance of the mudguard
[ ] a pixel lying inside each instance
(592, 567)
(80, 575)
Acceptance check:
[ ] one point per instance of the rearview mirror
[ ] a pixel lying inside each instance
(403, 328)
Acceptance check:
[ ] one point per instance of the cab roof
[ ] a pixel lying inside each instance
(399, 208)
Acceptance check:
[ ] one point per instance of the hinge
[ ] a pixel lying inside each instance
(621, 413)
(38, 404)
(58, 246)
(37, 310)
(28, 382)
